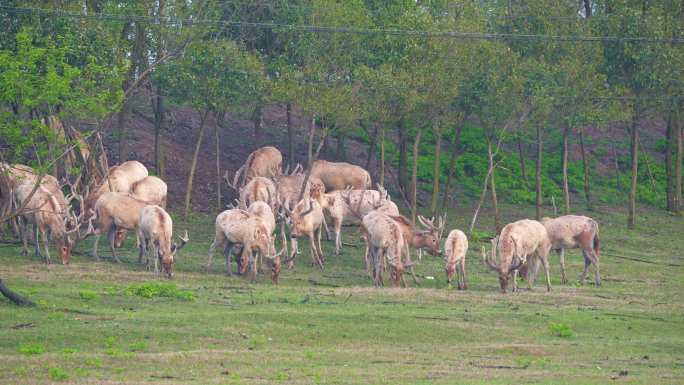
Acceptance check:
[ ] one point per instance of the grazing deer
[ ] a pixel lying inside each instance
(114, 211)
(385, 240)
(238, 229)
(517, 242)
(156, 235)
(455, 249)
(50, 216)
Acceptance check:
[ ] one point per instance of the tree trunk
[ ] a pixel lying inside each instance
(669, 172)
(492, 185)
(290, 138)
(452, 164)
(537, 176)
(258, 122)
(218, 167)
(618, 185)
(566, 187)
(403, 175)
(122, 117)
(414, 178)
(14, 297)
(371, 146)
(679, 127)
(634, 150)
(193, 165)
(521, 155)
(312, 133)
(341, 151)
(436, 171)
(313, 156)
(382, 156)
(585, 165)
(158, 126)
(587, 8)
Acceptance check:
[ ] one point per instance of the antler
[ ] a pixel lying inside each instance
(490, 262)
(346, 196)
(184, 240)
(236, 178)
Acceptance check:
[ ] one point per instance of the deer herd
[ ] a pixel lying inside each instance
(271, 200)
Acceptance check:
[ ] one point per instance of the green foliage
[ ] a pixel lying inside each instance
(58, 374)
(87, 295)
(560, 330)
(155, 289)
(31, 349)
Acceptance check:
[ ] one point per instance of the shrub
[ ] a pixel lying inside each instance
(560, 330)
(31, 349)
(87, 295)
(57, 374)
(156, 289)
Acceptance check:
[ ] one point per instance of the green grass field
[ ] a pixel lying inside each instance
(94, 324)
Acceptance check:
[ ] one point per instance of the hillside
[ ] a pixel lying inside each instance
(604, 146)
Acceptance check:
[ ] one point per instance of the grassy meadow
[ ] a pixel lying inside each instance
(103, 323)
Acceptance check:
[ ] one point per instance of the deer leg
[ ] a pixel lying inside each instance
(338, 236)
(515, 280)
(594, 260)
(545, 263)
(46, 242)
(24, 237)
(254, 261)
(320, 250)
(295, 250)
(141, 245)
(587, 263)
(228, 254)
(462, 284)
(111, 236)
(327, 230)
(36, 239)
(561, 257)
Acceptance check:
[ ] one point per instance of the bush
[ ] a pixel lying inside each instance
(57, 374)
(87, 295)
(560, 330)
(156, 289)
(31, 349)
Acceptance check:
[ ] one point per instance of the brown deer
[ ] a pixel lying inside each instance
(114, 211)
(340, 175)
(455, 249)
(265, 162)
(50, 216)
(575, 232)
(517, 242)
(237, 228)
(306, 219)
(384, 240)
(156, 238)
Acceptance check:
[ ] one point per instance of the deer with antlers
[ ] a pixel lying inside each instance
(518, 244)
(306, 219)
(51, 217)
(238, 230)
(115, 211)
(349, 206)
(156, 238)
